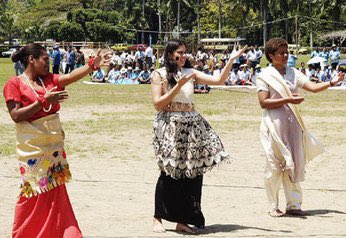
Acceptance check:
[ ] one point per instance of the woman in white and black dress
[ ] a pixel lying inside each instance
(185, 144)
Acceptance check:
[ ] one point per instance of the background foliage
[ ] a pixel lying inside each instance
(117, 21)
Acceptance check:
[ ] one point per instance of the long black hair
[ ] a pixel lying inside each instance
(23, 54)
(171, 64)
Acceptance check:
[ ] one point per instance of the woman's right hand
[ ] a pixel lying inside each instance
(184, 79)
(54, 97)
(295, 99)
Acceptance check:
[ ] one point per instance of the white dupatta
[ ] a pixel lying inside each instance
(311, 145)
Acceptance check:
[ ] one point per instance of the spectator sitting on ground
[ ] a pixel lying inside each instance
(99, 76)
(203, 88)
(319, 74)
(145, 76)
(326, 76)
(245, 76)
(114, 74)
(200, 65)
(254, 73)
(311, 73)
(234, 78)
(133, 74)
(123, 78)
(302, 67)
(217, 70)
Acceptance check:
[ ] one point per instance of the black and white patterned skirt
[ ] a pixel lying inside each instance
(185, 145)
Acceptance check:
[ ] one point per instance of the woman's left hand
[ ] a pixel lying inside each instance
(238, 53)
(102, 59)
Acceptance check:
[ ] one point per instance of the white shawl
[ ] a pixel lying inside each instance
(312, 147)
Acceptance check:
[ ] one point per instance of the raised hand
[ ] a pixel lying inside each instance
(102, 59)
(340, 77)
(238, 53)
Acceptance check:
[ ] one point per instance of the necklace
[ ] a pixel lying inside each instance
(27, 80)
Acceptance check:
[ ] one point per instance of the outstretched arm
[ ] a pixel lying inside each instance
(313, 87)
(77, 74)
(202, 78)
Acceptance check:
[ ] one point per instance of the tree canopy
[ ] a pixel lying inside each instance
(117, 21)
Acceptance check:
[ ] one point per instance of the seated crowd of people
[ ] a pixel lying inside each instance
(136, 67)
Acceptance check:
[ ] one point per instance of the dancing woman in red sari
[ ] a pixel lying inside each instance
(33, 101)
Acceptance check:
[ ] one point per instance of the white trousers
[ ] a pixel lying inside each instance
(293, 192)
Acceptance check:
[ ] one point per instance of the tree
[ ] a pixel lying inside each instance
(52, 30)
(70, 31)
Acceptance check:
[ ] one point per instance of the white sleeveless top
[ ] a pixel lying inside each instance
(185, 94)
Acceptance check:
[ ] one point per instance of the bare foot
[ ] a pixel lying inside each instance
(157, 226)
(296, 212)
(276, 213)
(184, 228)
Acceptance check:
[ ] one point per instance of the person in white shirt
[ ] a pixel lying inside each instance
(259, 54)
(123, 56)
(217, 70)
(245, 75)
(148, 56)
(251, 57)
(234, 78)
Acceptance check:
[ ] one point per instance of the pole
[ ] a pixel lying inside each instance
(143, 15)
(159, 9)
(297, 43)
(220, 18)
(198, 23)
(178, 20)
(264, 8)
(311, 40)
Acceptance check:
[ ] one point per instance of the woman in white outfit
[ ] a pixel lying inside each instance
(283, 134)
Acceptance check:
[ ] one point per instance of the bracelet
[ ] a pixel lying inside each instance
(331, 84)
(92, 65)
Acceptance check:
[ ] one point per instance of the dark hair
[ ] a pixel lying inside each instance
(23, 54)
(170, 64)
(273, 45)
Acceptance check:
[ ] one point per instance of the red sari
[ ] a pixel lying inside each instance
(49, 214)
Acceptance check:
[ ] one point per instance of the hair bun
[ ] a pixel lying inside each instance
(17, 56)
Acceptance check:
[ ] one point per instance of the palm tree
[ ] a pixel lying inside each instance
(170, 5)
